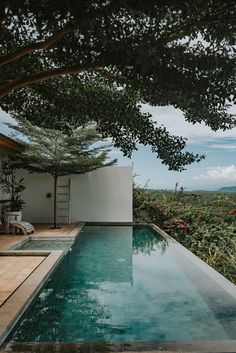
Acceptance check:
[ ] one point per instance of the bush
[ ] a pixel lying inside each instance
(204, 223)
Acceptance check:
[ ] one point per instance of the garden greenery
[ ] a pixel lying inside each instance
(102, 60)
(12, 186)
(205, 223)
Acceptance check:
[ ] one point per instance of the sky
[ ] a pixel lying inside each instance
(216, 171)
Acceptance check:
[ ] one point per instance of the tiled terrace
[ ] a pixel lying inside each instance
(39, 265)
(22, 272)
(44, 230)
(8, 241)
(13, 271)
(41, 230)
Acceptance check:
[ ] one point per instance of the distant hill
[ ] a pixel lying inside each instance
(227, 189)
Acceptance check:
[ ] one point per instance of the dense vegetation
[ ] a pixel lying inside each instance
(101, 60)
(205, 223)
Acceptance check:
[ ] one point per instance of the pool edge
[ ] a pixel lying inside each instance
(27, 291)
(172, 346)
(31, 286)
(221, 280)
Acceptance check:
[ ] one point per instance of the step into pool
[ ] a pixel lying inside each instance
(45, 244)
(128, 284)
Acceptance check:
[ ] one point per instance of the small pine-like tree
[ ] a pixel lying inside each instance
(59, 154)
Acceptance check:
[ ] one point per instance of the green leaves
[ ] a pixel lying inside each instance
(67, 102)
(56, 153)
(12, 186)
(201, 222)
(117, 54)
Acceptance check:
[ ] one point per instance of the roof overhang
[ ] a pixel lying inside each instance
(9, 143)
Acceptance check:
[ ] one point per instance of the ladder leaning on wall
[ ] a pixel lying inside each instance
(63, 200)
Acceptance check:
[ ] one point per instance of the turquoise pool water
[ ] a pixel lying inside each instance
(125, 284)
(45, 245)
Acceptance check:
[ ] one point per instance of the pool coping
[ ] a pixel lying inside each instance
(17, 247)
(222, 281)
(30, 290)
(125, 347)
(18, 301)
(13, 308)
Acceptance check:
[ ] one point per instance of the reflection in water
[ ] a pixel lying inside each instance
(144, 242)
(61, 309)
(120, 284)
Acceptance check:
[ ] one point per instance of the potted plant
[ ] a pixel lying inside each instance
(14, 188)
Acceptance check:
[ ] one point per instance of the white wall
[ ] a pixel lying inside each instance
(38, 208)
(104, 195)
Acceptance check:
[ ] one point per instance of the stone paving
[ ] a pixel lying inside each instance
(15, 269)
(41, 230)
(13, 272)
(44, 230)
(8, 241)
(22, 272)
(18, 299)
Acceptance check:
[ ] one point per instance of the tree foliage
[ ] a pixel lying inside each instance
(203, 222)
(58, 154)
(12, 186)
(117, 53)
(54, 152)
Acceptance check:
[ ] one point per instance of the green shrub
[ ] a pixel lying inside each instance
(203, 223)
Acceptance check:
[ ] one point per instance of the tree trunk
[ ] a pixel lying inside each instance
(55, 225)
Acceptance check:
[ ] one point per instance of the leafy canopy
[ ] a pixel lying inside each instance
(11, 186)
(56, 153)
(53, 152)
(116, 53)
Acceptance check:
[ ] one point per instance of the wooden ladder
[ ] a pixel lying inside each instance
(63, 200)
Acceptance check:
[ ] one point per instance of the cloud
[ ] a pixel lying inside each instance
(175, 123)
(219, 174)
(115, 153)
(5, 118)
(228, 146)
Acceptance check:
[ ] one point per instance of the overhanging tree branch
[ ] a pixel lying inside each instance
(185, 29)
(44, 75)
(36, 46)
(111, 77)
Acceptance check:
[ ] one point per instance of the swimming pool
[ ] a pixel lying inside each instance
(44, 244)
(127, 284)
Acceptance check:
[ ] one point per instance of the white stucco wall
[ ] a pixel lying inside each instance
(104, 195)
(38, 208)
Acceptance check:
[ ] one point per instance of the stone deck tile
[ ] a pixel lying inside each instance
(14, 271)
(8, 241)
(43, 230)
(18, 300)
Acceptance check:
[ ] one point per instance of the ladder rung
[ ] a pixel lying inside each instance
(63, 206)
